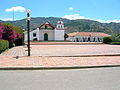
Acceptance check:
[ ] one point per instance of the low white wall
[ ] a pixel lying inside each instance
(80, 39)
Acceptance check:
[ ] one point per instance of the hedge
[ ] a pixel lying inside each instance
(4, 44)
(115, 43)
(107, 40)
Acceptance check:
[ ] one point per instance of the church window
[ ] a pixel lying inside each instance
(34, 34)
(59, 26)
(46, 27)
(62, 26)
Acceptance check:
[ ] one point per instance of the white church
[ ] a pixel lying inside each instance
(47, 32)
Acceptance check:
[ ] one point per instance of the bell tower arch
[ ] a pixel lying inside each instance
(60, 25)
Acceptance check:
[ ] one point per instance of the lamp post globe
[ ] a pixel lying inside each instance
(28, 10)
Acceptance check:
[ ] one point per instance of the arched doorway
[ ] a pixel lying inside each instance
(45, 37)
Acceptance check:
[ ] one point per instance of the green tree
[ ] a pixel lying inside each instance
(65, 36)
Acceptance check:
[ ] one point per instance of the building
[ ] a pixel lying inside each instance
(87, 36)
(47, 32)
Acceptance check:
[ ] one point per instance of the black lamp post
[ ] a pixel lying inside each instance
(28, 30)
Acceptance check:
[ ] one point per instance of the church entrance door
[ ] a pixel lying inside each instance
(45, 37)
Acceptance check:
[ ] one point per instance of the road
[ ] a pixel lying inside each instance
(77, 79)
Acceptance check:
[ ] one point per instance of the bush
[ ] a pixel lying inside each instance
(19, 42)
(4, 44)
(107, 40)
(65, 36)
(10, 32)
(115, 43)
(115, 38)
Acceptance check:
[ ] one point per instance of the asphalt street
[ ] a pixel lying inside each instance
(76, 79)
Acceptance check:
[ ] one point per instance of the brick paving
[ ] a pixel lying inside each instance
(41, 56)
(16, 51)
(74, 50)
(10, 61)
(64, 50)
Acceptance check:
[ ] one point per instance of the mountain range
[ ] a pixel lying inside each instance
(79, 25)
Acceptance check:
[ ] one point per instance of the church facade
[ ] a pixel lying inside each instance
(47, 32)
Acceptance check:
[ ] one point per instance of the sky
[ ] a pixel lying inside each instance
(104, 11)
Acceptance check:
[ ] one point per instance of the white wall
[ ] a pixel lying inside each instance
(25, 36)
(59, 35)
(80, 38)
(40, 34)
(37, 34)
(52, 34)
(49, 32)
(31, 35)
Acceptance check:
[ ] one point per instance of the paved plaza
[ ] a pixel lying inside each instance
(64, 50)
(61, 56)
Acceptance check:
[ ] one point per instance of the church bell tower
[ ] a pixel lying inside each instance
(59, 31)
(60, 25)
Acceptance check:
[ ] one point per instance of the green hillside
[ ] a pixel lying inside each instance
(80, 25)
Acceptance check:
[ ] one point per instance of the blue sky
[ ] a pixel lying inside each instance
(99, 10)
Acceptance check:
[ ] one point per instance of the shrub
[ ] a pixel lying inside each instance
(107, 40)
(115, 43)
(19, 42)
(115, 38)
(4, 44)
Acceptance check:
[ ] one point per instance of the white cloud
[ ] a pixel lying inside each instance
(77, 16)
(7, 19)
(16, 9)
(74, 17)
(71, 8)
(108, 21)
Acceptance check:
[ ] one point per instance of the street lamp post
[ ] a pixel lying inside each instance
(28, 30)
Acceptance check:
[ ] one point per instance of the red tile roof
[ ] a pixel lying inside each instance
(47, 24)
(88, 34)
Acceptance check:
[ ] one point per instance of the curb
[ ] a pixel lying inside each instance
(105, 55)
(85, 55)
(56, 68)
